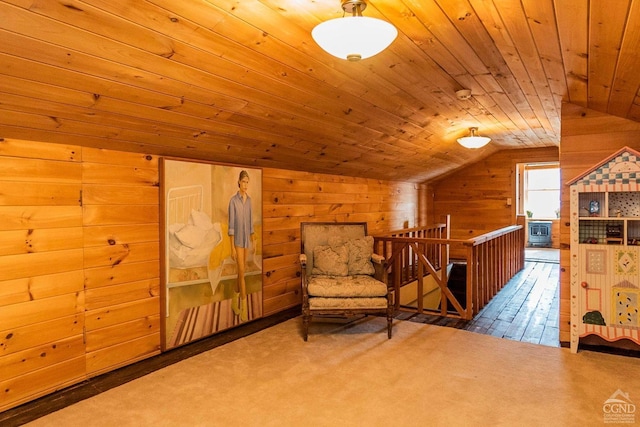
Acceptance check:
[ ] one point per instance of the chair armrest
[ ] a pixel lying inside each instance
(304, 279)
(378, 259)
(380, 266)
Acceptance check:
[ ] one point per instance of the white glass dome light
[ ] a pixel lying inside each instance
(474, 141)
(354, 37)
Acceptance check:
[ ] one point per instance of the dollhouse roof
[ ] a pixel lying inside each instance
(619, 169)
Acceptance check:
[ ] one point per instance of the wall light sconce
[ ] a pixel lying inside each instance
(354, 37)
(473, 140)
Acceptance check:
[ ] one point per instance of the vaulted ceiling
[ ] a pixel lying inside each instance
(242, 81)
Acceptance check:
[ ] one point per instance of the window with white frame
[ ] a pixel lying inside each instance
(539, 190)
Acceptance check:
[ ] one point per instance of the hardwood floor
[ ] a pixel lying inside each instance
(525, 310)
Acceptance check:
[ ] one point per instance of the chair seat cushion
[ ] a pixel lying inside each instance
(359, 286)
(321, 303)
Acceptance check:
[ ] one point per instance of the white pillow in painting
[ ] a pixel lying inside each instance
(200, 220)
(190, 235)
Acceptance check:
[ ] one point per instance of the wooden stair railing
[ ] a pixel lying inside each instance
(406, 256)
(492, 259)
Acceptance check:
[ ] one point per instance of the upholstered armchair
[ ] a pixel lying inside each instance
(340, 273)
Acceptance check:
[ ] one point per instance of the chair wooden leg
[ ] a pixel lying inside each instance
(305, 327)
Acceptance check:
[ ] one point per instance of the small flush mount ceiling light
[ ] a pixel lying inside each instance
(354, 37)
(473, 140)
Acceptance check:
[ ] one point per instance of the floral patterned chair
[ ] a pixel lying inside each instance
(340, 273)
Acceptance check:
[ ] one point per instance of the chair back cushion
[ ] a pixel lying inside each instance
(331, 260)
(360, 251)
(330, 235)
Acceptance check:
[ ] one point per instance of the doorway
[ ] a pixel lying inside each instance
(538, 199)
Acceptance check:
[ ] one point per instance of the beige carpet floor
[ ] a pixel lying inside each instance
(351, 375)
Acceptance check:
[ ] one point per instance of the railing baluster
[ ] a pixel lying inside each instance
(420, 291)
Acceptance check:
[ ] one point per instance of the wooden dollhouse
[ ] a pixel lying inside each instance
(605, 250)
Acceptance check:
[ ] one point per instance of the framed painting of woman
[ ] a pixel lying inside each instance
(211, 220)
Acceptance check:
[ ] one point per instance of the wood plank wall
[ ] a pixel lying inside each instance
(476, 196)
(120, 193)
(41, 269)
(80, 252)
(588, 137)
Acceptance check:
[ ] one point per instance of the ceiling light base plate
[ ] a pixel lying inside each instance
(354, 6)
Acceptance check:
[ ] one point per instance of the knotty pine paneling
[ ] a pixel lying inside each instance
(82, 271)
(476, 196)
(36, 287)
(117, 294)
(120, 193)
(40, 357)
(42, 381)
(30, 336)
(41, 283)
(40, 263)
(588, 137)
(125, 273)
(14, 242)
(39, 217)
(123, 353)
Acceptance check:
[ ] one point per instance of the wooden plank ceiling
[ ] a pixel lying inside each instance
(243, 81)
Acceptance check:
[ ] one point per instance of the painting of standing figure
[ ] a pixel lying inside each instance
(243, 238)
(212, 245)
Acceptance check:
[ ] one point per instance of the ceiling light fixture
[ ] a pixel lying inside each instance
(474, 141)
(354, 37)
